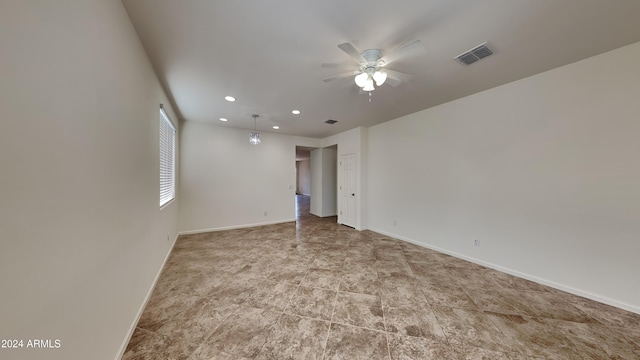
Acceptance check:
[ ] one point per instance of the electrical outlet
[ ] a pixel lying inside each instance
(395, 223)
(476, 242)
(265, 213)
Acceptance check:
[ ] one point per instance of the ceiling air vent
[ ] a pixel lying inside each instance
(469, 57)
(331, 122)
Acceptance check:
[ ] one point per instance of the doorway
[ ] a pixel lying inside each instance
(303, 171)
(319, 167)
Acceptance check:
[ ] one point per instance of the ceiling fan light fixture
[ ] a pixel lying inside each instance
(380, 77)
(361, 79)
(368, 85)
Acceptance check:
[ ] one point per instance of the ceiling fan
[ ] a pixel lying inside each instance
(372, 65)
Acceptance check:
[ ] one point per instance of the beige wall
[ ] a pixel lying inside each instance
(225, 182)
(329, 182)
(543, 171)
(83, 237)
(324, 181)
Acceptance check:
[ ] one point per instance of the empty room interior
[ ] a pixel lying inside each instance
(433, 179)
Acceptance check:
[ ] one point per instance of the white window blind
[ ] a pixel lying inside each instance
(167, 159)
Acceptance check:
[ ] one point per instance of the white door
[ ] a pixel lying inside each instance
(347, 190)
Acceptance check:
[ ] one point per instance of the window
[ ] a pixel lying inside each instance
(167, 159)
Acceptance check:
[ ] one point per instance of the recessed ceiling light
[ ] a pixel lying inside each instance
(276, 127)
(229, 98)
(223, 119)
(295, 112)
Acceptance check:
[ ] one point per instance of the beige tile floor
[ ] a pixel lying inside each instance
(317, 290)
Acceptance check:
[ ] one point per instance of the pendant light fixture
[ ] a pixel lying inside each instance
(254, 138)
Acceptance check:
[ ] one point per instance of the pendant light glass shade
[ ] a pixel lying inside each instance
(254, 138)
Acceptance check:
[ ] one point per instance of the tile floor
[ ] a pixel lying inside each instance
(317, 290)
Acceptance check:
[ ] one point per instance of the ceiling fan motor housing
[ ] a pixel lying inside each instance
(372, 56)
(373, 61)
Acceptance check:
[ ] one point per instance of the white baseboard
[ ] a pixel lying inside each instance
(324, 215)
(553, 284)
(123, 347)
(188, 232)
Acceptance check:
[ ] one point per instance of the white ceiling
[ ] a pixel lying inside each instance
(268, 53)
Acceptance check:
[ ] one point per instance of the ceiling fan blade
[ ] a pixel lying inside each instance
(393, 81)
(351, 51)
(395, 78)
(343, 67)
(410, 49)
(340, 76)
